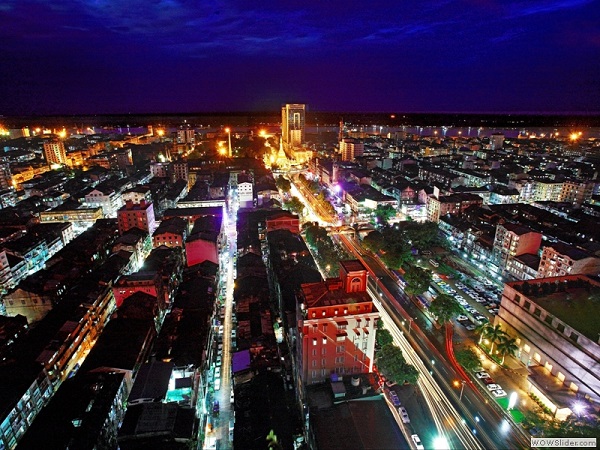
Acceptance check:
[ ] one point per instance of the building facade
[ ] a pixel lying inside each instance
(336, 325)
(350, 149)
(136, 215)
(562, 259)
(556, 335)
(292, 125)
(55, 153)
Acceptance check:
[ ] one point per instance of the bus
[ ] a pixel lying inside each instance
(399, 278)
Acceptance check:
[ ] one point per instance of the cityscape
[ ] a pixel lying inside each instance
(206, 285)
(312, 226)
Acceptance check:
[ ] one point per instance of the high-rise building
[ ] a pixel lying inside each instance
(351, 148)
(514, 240)
(186, 136)
(54, 152)
(337, 325)
(292, 124)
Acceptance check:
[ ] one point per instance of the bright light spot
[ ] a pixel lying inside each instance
(578, 408)
(574, 136)
(505, 426)
(512, 401)
(227, 130)
(440, 442)
(161, 133)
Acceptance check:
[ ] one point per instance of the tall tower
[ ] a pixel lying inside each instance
(292, 124)
(55, 152)
(350, 149)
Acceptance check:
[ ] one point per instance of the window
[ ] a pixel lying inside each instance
(560, 327)
(315, 341)
(340, 348)
(574, 337)
(537, 312)
(548, 319)
(314, 352)
(324, 328)
(314, 374)
(517, 298)
(314, 363)
(323, 362)
(324, 351)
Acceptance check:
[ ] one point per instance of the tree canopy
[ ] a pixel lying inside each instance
(393, 366)
(417, 280)
(283, 184)
(445, 308)
(468, 359)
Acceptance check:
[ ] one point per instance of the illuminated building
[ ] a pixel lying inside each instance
(54, 152)
(336, 324)
(136, 215)
(350, 149)
(292, 125)
(553, 322)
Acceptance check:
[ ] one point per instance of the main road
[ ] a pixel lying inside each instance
(471, 421)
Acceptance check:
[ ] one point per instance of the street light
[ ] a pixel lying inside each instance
(462, 388)
(228, 131)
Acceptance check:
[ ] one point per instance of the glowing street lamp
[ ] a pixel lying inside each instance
(462, 388)
(512, 401)
(228, 131)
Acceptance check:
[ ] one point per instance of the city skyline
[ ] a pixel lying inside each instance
(168, 57)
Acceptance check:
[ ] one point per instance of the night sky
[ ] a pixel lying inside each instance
(180, 56)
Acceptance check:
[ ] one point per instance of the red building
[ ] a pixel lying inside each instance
(283, 221)
(336, 325)
(136, 215)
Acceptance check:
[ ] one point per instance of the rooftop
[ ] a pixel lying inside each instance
(572, 299)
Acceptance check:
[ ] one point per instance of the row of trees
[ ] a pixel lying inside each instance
(495, 335)
(327, 252)
(390, 360)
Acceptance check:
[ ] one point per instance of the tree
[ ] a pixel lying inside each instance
(283, 184)
(384, 213)
(373, 241)
(393, 366)
(422, 235)
(316, 235)
(445, 308)
(507, 346)
(495, 334)
(482, 330)
(383, 337)
(294, 205)
(417, 280)
(468, 359)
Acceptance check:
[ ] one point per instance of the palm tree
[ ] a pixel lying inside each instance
(507, 346)
(495, 334)
(482, 330)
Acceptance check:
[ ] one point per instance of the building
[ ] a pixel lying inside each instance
(283, 220)
(136, 215)
(514, 240)
(292, 125)
(439, 206)
(179, 171)
(577, 192)
(561, 259)
(55, 153)
(336, 325)
(171, 233)
(496, 141)
(351, 148)
(186, 136)
(557, 337)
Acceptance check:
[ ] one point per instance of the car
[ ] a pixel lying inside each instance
(217, 384)
(404, 414)
(494, 387)
(231, 397)
(417, 441)
(488, 380)
(220, 347)
(470, 327)
(217, 373)
(390, 383)
(218, 361)
(233, 333)
(462, 317)
(482, 374)
(481, 318)
(471, 310)
(499, 393)
(220, 329)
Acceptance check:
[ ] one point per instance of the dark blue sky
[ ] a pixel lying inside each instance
(119, 56)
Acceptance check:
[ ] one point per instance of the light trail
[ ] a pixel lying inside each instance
(440, 407)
